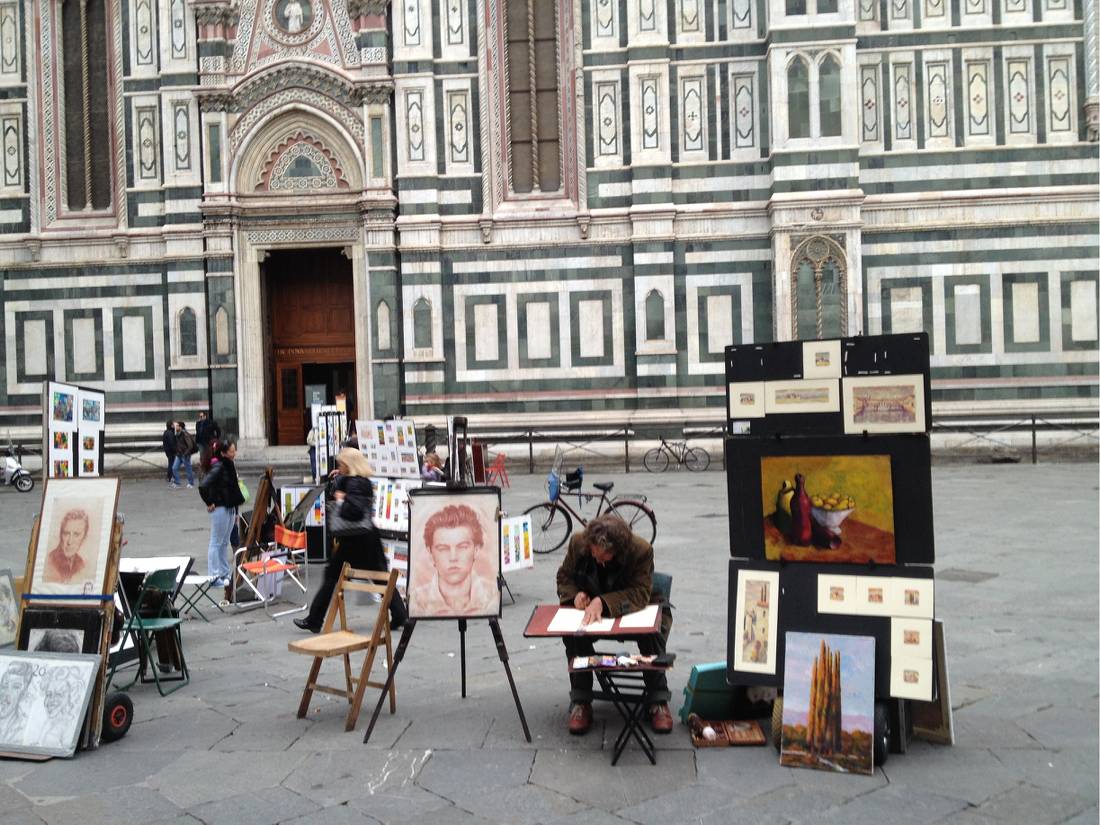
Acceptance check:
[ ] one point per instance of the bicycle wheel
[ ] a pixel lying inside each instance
(697, 459)
(638, 517)
(550, 527)
(656, 460)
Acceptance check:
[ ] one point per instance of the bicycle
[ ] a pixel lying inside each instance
(552, 520)
(657, 460)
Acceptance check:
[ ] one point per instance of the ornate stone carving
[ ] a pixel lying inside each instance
(216, 12)
(285, 167)
(374, 8)
(216, 101)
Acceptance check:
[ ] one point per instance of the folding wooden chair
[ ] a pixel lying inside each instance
(497, 469)
(343, 642)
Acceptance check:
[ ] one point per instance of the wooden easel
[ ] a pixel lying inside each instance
(502, 651)
(261, 504)
(93, 726)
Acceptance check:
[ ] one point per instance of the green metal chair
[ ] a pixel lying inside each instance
(156, 588)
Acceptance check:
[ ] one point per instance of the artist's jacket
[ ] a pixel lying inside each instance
(627, 582)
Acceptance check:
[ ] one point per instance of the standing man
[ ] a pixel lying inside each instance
(168, 442)
(206, 430)
(607, 572)
(185, 448)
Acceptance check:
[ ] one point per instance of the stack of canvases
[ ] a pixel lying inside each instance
(831, 588)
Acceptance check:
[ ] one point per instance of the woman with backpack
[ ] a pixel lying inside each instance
(221, 492)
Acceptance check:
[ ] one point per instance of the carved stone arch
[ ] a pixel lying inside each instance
(817, 252)
(267, 157)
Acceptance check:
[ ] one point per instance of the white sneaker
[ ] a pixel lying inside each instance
(190, 486)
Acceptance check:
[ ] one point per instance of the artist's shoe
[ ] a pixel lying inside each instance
(306, 624)
(660, 718)
(580, 718)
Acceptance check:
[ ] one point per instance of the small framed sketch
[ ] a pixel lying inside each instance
(787, 397)
(821, 359)
(884, 404)
(912, 598)
(836, 594)
(45, 698)
(874, 596)
(911, 678)
(756, 621)
(746, 399)
(911, 638)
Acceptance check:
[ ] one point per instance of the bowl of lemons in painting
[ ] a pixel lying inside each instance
(830, 509)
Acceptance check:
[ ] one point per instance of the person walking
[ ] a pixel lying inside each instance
(206, 430)
(353, 499)
(220, 491)
(168, 441)
(185, 448)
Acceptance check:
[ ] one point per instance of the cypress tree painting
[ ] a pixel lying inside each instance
(828, 702)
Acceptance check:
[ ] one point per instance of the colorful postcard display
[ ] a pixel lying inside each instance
(74, 536)
(391, 503)
(291, 496)
(397, 553)
(829, 702)
(836, 508)
(884, 404)
(45, 698)
(75, 424)
(390, 447)
(9, 609)
(454, 553)
(757, 620)
(515, 544)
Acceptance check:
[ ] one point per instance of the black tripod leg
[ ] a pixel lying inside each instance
(462, 652)
(503, 653)
(398, 655)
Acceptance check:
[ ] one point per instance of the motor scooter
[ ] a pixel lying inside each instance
(14, 474)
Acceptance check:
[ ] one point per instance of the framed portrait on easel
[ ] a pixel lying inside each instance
(454, 553)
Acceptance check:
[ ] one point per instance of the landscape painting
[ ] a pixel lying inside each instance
(884, 404)
(837, 508)
(829, 703)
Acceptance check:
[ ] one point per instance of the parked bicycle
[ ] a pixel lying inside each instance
(552, 520)
(657, 460)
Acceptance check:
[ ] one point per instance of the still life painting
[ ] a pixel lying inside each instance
(828, 508)
(829, 703)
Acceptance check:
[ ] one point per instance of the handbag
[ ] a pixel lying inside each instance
(340, 526)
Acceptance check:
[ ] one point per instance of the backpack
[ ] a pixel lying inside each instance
(189, 443)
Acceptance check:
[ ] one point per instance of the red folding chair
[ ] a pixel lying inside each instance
(497, 469)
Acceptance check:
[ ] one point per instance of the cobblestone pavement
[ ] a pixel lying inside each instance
(1017, 588)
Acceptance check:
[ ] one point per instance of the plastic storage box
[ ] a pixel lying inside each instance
(707, 693)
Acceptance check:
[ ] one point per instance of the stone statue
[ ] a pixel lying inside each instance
(294, 16)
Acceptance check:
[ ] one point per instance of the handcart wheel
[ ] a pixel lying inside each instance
(882, 734)
(118, 715)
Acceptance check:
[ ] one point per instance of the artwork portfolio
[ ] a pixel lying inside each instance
(43, 699)
(454, 553)
(757, 620)
(74, 536)
(9, 609)
(884, 404)
(833, 508)
(828, 702)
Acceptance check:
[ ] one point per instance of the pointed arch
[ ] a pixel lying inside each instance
(798, 98)
(654, 315)
(819, 289)
(384, 335)
(422, 324)
(187, 330)
(829, 96)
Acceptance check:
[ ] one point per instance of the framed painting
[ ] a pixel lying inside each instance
(836, 594)
(821, 359)
(829, 703)
(44, 699)
(454, 553)
(874, 596)
(9, 609)
(757, 621)
(68, 630)
(836, 508)
(746, 399)
(911, 678)
(914, 598)
(911, 638)
(884, 404)
(813, 396)
(74, 537)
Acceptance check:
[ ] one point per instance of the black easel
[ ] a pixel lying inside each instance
(399, 654)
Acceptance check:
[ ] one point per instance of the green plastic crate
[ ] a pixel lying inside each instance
(707, 693)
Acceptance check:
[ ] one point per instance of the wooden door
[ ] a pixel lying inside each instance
(311, 297)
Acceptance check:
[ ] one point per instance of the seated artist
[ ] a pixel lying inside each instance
(607, 572)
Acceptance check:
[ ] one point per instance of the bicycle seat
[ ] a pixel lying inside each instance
(605, 486)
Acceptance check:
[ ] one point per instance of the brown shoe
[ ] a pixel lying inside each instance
(660, 718)
(580, 718)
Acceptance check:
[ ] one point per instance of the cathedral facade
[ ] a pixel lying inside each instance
(531, 211)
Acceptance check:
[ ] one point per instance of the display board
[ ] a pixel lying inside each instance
(894, 605)
(391, 503)
(870, 499)
(872, 384)
(390, 447)
(331, 425)
(397, 553)
(515, 544)
(72, 432)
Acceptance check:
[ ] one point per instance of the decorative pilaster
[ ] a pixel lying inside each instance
(1092, 70)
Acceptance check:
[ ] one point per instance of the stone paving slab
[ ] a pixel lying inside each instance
(1020, 607)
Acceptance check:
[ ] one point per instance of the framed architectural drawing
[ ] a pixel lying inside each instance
(913, 598)
(74, 537)
(43, 700)
(789, 397)
(746, 399)
(911, 638)
(454, 553)
(911, 678)
(836, 594)
(884, 404)
(756, 621)
(821, 359)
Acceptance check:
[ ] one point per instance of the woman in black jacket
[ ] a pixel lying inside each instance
(221, 493)
(354, 495)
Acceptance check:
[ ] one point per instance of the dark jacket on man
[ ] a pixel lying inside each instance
(206, 430)
(219, 487)
(185, 444)
(168, 440)
(623, 584)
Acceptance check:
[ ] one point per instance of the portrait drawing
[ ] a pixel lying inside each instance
(74, 536)
(43, 699)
